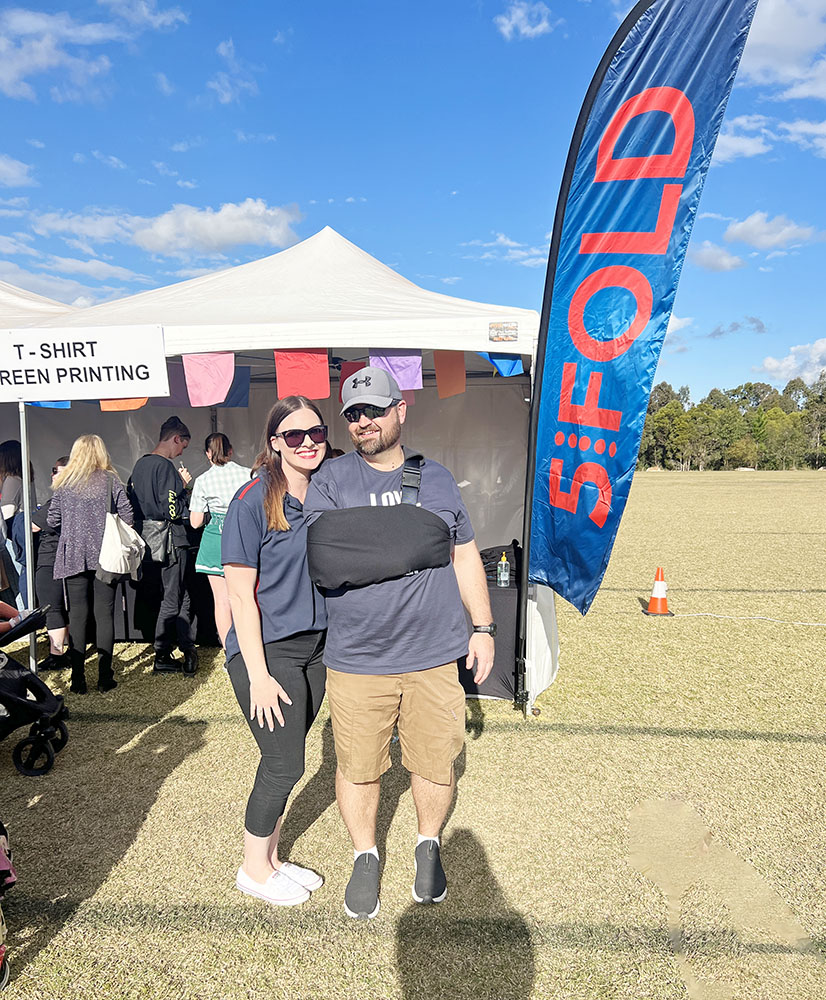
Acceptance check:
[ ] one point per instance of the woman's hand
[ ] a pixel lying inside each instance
(264, 701)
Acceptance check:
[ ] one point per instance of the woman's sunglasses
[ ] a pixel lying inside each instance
(353, 414)
(295, 438)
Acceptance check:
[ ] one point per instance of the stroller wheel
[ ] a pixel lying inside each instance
(33, 757)
(61, 736)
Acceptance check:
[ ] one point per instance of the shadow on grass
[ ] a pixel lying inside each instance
(475, 945)
(320, 792)
(71, 827)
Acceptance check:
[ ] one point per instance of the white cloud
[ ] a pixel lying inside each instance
(743, 136)
(525, 20)
(145, 13)
(189, 185)
(78, 158)
(711, 257)
(784, 45)
(676, 323)
(14, 173)
(34, 43)
(449, 281)
(758, 230)
(243, 136)
(186, 229)
(804, 361)
(97, 269)
(163, 169)
(108, 160)
(164, 85)
(62, 289)
(231, 84)
(184, 145)
(96, 227)
(36, 143)
(807, 135)
(13, 246)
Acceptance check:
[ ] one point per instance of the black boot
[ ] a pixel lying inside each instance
(78, 685)
(190, 661)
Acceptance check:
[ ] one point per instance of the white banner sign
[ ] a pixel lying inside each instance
(101, 362)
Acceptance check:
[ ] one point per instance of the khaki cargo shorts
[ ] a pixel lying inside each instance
(427, 705)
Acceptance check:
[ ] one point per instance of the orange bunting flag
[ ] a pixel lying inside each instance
(208, 377)
(450, 372)
(303, 373)
(123, 404)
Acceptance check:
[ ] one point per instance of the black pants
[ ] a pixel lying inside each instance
(50, 591)
(85, 592)
(174, 627)
(295, 662)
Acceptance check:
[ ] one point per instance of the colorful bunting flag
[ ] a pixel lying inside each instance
(178, 396)
(239, 391)
(348, 368)
(404, 366)
(303, 373)
(450, 372)
(505, 364)
(113, 405)
(63, 404)
(208, 377)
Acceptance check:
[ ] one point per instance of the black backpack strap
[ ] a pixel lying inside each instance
(411, 479)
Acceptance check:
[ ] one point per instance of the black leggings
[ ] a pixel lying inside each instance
(79, 593)
(50, 591)
(295, 662)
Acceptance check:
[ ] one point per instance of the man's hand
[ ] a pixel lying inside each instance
(480, 654)
(185, 474)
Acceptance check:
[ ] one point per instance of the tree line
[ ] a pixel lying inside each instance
(754, 425)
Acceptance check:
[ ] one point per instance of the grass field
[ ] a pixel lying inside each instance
(659, 831)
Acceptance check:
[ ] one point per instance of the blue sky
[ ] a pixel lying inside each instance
(146, 142)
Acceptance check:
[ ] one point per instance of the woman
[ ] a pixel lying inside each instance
(275, 644)
(85, 492)
(211, 495)
(11, 504)
(50, 591)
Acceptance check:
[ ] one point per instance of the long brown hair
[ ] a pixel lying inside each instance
(275, 482)
(218, 445)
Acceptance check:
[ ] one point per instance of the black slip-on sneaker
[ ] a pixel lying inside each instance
(361, 897)
(430, 885)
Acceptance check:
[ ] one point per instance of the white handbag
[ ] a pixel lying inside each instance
(122, 548)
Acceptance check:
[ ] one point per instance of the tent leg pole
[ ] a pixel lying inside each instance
(213, 419)
(27, 516)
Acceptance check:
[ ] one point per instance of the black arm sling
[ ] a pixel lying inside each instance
(357, 546)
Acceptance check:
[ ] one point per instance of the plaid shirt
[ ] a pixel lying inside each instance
(215, 488)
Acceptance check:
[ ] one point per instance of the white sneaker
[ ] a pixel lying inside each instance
(304, 877)
(278, 889)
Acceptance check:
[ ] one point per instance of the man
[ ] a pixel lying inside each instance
(158, 493)
(392, 646)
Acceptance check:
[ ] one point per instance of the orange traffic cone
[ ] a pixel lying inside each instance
(658, 605)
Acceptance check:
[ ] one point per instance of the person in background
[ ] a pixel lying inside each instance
(11, 504)
(276, 640)
(211, 494)
(84, 493)
(50, 591)
(158, 492)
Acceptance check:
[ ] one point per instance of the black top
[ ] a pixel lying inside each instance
(47, 537)
(157, 493)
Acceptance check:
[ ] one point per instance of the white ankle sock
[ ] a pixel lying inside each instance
(373, 850)
(422, 839)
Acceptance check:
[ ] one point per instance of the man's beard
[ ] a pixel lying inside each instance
(387, 438)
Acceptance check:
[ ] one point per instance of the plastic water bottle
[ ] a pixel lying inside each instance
(503, 572)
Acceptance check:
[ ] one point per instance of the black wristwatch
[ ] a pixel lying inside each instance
(490, 629)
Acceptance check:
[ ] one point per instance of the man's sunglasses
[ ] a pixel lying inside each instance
(295, 438)
(353, 414)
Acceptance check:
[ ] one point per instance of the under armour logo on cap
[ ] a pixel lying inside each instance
(370, 385)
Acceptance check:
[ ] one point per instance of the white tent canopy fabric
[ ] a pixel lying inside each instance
(327, 293)
(322, 292)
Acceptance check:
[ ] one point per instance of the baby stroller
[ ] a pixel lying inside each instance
(7, 880)
(26, 701)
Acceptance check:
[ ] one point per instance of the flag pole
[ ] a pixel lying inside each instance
(27, 534)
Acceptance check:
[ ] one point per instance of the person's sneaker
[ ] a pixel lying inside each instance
(430, 885)
(190, 661)
(107, 684)
(278, 889)
(304, 877)
(165, 664)
(361, 897)
(55, 661)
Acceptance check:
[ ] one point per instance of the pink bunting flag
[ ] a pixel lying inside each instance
(208, 377)
(303, 373)
(404, 366)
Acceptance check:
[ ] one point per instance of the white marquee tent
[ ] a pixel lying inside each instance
(324, 292)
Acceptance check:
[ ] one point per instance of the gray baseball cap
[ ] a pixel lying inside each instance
(370, 385)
